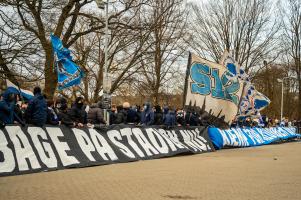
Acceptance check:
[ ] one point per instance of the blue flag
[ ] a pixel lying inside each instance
(69, 74)
(26, 94)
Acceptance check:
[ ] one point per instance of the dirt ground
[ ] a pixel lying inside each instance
(267, 172)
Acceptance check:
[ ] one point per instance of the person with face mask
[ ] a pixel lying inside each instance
(62, 113)
(36, 112)
(147, 115)
(77, 113)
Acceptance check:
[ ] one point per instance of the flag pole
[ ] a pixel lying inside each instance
(186, 78)
(240, 100)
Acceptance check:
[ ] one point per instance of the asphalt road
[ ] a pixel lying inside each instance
(267, 172)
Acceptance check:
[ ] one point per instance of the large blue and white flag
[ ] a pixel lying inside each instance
(69, 74)
(26, 94)
(252, 101)
(209, 87)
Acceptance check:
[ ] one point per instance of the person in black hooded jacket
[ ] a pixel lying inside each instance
(95, 115)
(192, 118)
(121, 116)
(62, 113)
(36, 112)
(77, 113)
(158, 115)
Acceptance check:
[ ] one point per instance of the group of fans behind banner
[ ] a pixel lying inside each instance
(40, 111)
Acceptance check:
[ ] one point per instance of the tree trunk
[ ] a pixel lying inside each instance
(157, 95)
(7, 72)
(99, 80)
(86, 88)
(50, 74)
(299, 100)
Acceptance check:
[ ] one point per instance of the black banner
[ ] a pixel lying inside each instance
(33, 149)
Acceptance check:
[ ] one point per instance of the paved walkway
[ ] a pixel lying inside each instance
(267, 172)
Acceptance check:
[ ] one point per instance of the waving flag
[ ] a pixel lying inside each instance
(69, 74)
(236, 72)
(251, 101)
(26, 94)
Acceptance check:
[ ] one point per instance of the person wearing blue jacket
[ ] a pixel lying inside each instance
(165, 112)
(36, 112)
(7, 106)
(170, 118)
(147, 115)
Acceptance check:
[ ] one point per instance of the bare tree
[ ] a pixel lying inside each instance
(126, 46)
(159, 65)
(244, 27)
(40, 18)
(266, 82)
(292, 40)
(16, 50)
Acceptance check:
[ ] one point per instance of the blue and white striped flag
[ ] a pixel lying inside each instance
(26, 94)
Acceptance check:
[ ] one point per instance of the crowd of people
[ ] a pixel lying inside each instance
(263, 122)
(39, 111)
